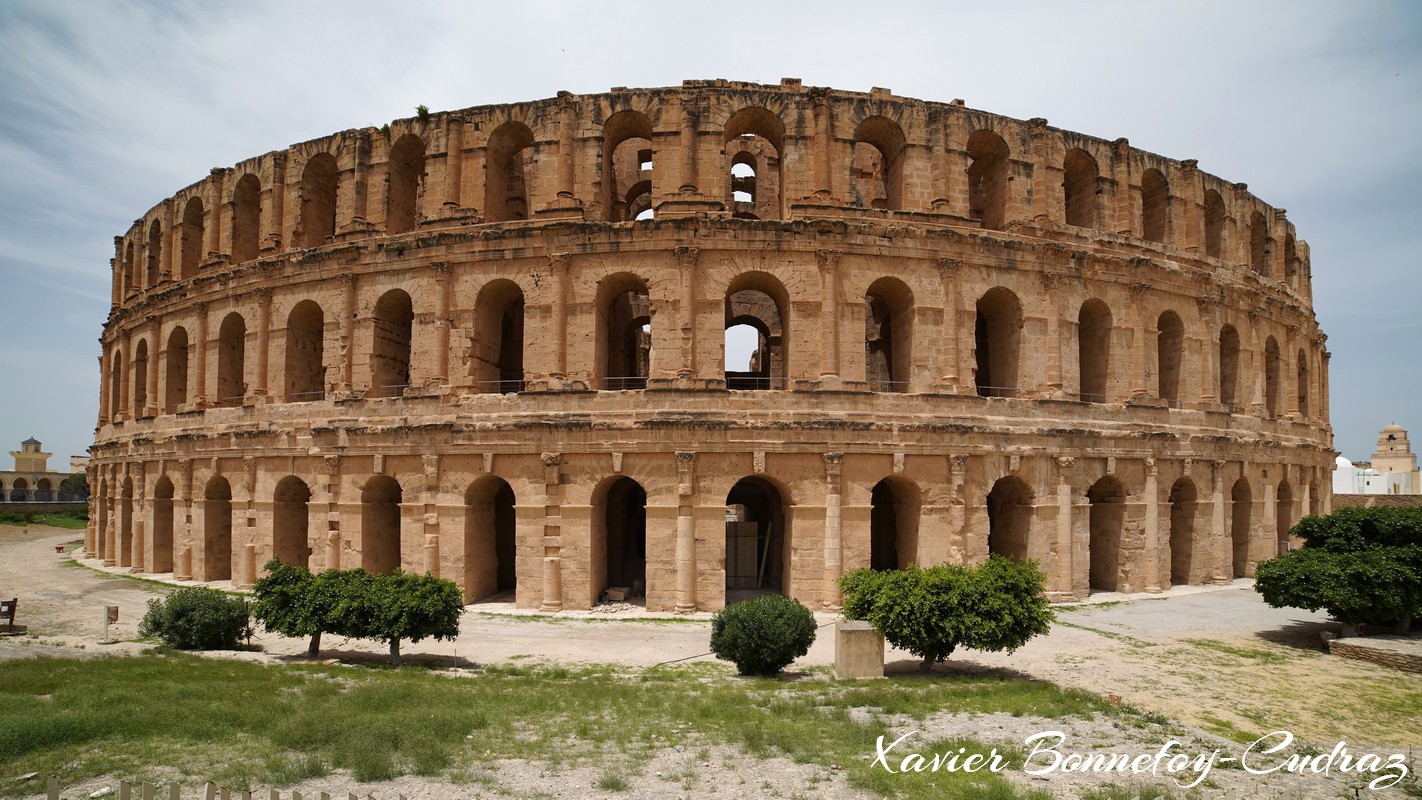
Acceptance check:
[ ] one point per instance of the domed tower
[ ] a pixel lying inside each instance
(1395, 454)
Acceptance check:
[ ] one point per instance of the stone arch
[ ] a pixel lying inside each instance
(246, 218)
(1301, 382)
(232, 360)
(877, 168)
(1183, 507)
(162, 526)
(130, 276)
(1009, 511)
(153, 255)
(1155, 206)
(118, 386)
(988, 187)
(140, 377)
(20, 490)
(748, 132)
(1169, 345)
(405, 175)
(1080, 175)
(217, 529)
(1214, 223)
(175, 393)
(1285, 515)
(619, 537)
(305, 353)
(623, 354)
(1258, 244)
(380, 545)
(392, 329)
(1229, 367)
(1271, 377)
(291, 522)
(888, 335)
(1107, 522)
(998, 337)
(490, 539)
(496, 354)
(506, 172)
(758, 539)
(760, 300)
(1093, 339)
(1241, 502)
(626, 148)
(190, 238)
(125, 535)
(44, 489)
(894, 506)
(319, 182)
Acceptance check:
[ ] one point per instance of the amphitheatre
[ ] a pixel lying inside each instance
(491, 344)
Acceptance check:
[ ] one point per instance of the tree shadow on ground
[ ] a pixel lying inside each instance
(366, 658)
(1300, 635)
(912, 668)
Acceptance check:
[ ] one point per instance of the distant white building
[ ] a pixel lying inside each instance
(1393, 469)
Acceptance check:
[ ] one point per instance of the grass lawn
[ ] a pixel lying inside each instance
(52, 520)
(245, 724)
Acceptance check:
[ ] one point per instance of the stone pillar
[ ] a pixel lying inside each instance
(567, 142)
(444, 290)
(346, 354)
(829, 313)
(686, 260)
(686, 146)
(213, 229)
(1208, 349)
(276, 214)
(1289, 375)
(1043, 190)
(1270, 523)
(264, 340)
(1219, 530)
(958, 516)
(1124, 198)
(453, 162)
(1323, 394)
(171, 251)
(824, 141)
(155, 328)
(558, 264)
(1065, 560)
(360, 196)
(1190, 231)
(937, 145)
(132, 411)
(552, 534)
(834, 534)
(686, 533)
(332, 475)
(1141, 335)
(947, 279)
(1152, 526)
(430, 512)
(1050, 311)
(956, 143)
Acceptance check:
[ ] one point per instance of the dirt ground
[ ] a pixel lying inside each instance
(1213, 658)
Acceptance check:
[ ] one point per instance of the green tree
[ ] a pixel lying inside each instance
(76, 485)
(761, 636)
(1361, 565)
(197, 618)
(932, 612)
(292, 602)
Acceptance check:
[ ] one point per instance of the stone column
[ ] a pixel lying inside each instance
(1152, 526)
(1323, 395)
(1065, 561)
(824, 141)
(1190, 231)
(444, 288)
(129, 370)
(1270, 523)
(346, 354)
(1141, 334)
(453, 162)
(686, 260)
(276, 219)
(360, 196)
(1289, 377)
(1043, 192)
(937, 144)
(264, 339)
(829, 313)
(686, 533)
(1208, 379)
(1219, 532)
(216, 178)
(155, 328)
(558, 264)
(1050, 311)
(834, 534)
(948, 281)
(956, 143)
(1121, 176)
(332, 466)
(687, 144)
(567, 132)
(430, 512)
(552, 534)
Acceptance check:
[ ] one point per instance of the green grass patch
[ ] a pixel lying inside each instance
(151, 585)
(74, 520)
(1256, 654)
(1120, 637)
(1152, 791)
(245, 724)
(1227, 729)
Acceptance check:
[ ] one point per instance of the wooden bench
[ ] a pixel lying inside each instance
(7, 614)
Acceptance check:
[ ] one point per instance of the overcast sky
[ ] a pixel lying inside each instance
(108, 107)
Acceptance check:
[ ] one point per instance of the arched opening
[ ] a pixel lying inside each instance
(380, 546)
(392, 329)
(627, 160)
(1155, 205)
(1108, 518)
(1183, 505)
(176, 379)
(1009, 509)
(246, 218)
(988, 179)
(1284, 515)
(497, 349)
(893, 524)
(1093, 341)
(888, 335)
(20, 490)
(1291, 262)
(404, 174)
(305, 353)
(756, 302)
(506, 178)
(624, 338)
(291, 522)
(318, 200)
(1271, 377)
(125, 537)
(44, 490)
(162, 526)
(620, 532)
(154, 255)
(1258, 244)
(490, 539)
(232, 360)
(1214, 223)
(757, 540)
(191, 239)
(118, 387)
(997, 334)
(877, 172)
(1229, 366)
(3, 496)
(753, 143)
(1301, 384)
(217, 530)
(140, 378)
(1079, 180)
(1241, 505)
(130, 277)
(1169, 344)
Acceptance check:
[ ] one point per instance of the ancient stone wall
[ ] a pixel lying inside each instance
(454, 347)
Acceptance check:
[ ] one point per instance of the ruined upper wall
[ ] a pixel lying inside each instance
(685, 151)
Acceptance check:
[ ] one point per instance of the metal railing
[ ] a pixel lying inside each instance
(1091, 397)
(998, 391)
(499, 386)
(305, 397)
(888, 386)
(617, 383)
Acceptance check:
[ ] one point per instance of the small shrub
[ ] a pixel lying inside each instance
(197, 618)
(763, 635)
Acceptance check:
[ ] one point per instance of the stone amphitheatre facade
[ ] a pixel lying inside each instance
(490, 344)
